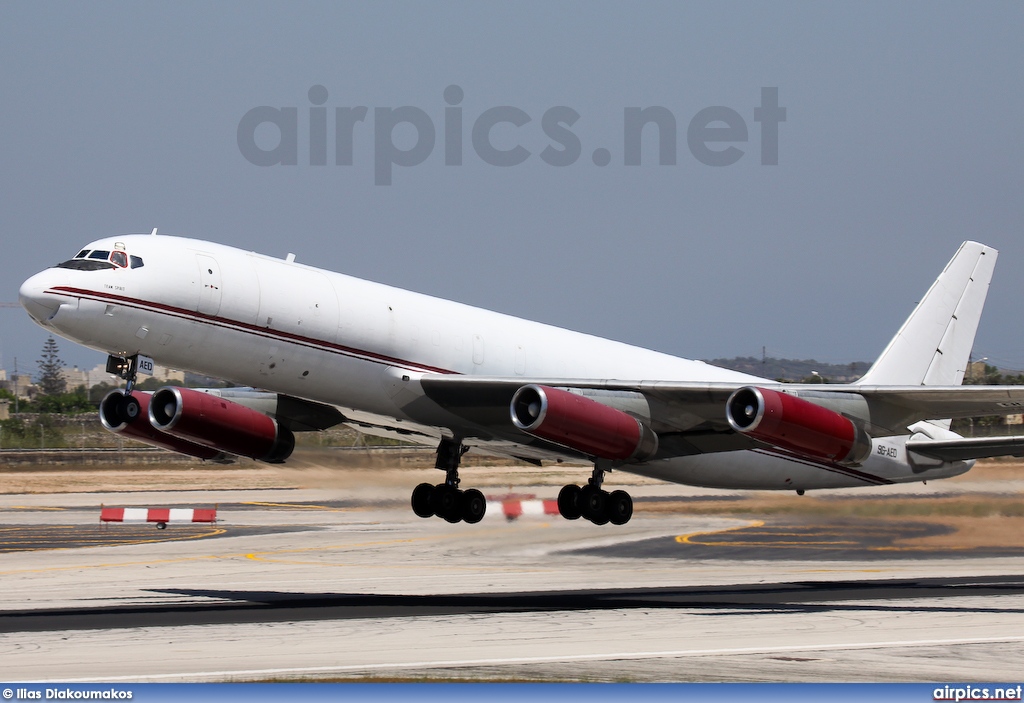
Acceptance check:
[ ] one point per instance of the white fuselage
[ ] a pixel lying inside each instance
(332, 338)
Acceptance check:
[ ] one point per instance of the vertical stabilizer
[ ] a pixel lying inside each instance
(933, 346)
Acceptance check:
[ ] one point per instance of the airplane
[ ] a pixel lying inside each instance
(311, 349)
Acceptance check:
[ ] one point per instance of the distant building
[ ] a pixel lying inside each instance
(976, 370)
(162, 373)
(74, 378)
(21, 385)
(98, 375)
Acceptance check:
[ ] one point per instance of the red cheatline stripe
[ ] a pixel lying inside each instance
(834, 468)
(245, 327)
(370, 356)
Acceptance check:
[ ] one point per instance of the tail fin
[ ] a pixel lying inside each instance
(934, 345)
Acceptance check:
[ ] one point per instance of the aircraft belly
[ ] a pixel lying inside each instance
(770, 469)
(748, 470)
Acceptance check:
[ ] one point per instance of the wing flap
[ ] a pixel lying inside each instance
(966, 448)
(945, 402)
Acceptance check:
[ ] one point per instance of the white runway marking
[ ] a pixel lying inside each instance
(610, 656)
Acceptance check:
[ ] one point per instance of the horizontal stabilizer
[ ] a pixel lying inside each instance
(966, 448)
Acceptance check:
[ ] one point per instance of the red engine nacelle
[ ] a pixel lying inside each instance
(792, 423)
(219, 423)
(582, 424)
(140, 429)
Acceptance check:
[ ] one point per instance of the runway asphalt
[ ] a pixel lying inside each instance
(311, 584)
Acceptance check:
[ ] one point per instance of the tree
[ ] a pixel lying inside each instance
(51, 378)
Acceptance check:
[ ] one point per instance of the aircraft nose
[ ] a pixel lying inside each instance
(37, 302)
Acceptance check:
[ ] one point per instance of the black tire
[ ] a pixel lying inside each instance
(455, 514)
(129, 409)
(592, 504)
(161, 526)
(422, 503)
(569, 502)
(446, 502)
(474, 506)
(619, 507)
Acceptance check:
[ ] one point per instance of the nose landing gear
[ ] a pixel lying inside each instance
(446, 500)
(128, 408)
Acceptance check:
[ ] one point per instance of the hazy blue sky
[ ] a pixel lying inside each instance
(902, 138)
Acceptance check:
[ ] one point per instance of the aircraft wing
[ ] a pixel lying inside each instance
(945, 402)
(690, 418)
(297, 414)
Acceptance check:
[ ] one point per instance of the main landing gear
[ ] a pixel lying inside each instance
(128, 408)
(595, 504)
(446, 500)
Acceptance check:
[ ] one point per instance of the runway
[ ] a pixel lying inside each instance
(307, 584)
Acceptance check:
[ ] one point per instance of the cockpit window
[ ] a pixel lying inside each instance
(85, 264)
(99, 259)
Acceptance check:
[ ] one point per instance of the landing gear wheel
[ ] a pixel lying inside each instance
(474, 505)
(455, 514)
(619, 507)
(161, 526)
(422, 500)
(129, 409)
(592, 504)
(569, 502)
(446, 502)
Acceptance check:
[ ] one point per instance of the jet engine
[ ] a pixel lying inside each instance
(219, 423)
(792, 423)
(582, 424)
(140, 429)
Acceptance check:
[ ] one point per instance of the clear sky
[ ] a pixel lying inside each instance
(902, 137)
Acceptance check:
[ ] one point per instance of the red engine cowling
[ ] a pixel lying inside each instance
(798, 425)
(582, 424)
(219, 423)
(140, 429)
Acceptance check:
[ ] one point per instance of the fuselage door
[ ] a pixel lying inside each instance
(209, 281)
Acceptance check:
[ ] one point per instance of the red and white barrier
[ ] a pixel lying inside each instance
(161, 516)
(514, 509)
